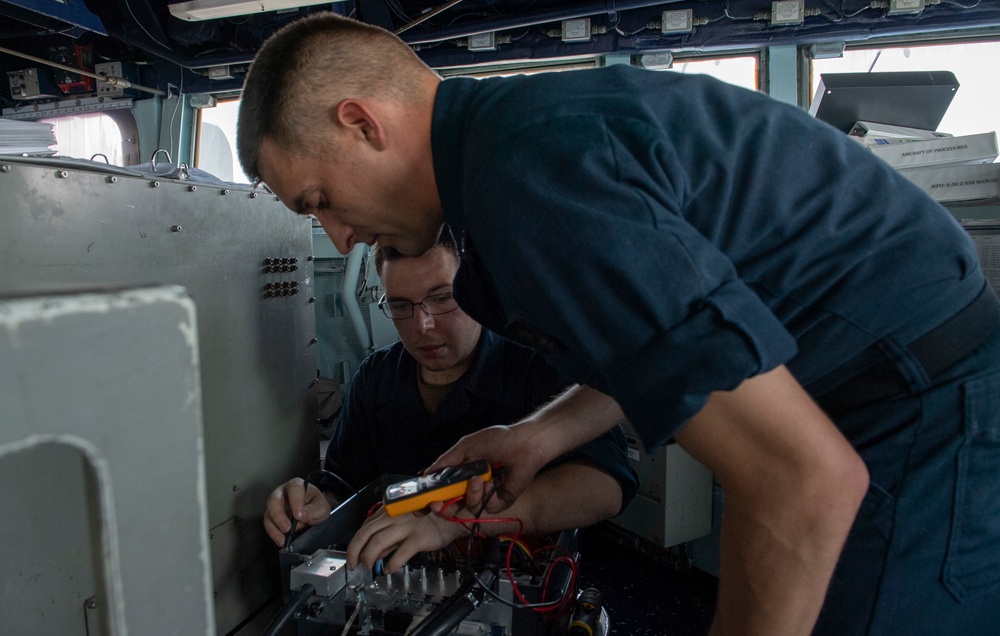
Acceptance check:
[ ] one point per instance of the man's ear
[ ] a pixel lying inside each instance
(357, 116)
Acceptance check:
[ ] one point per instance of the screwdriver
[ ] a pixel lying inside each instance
(291, 531)
(585, 613)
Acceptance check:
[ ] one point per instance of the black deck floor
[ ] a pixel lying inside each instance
(646, 594)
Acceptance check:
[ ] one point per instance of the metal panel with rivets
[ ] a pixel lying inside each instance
(247, 262)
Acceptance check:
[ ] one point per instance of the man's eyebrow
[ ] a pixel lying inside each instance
(430, 292)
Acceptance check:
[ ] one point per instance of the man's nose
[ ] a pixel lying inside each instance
(341, 235)
(421, 319)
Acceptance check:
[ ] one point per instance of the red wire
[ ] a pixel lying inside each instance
(469, 523)
(566, 557)
(568, 597)
(566, 601)
(452, 502)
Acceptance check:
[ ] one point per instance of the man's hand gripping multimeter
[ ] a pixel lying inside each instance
(414, 494)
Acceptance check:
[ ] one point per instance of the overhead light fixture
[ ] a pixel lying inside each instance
(657, 61)
(825, 50)
(213, 9)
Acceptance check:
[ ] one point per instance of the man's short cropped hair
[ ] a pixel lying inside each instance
(385, 254)
(307, 68)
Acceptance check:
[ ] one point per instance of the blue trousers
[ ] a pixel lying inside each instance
(923, 556)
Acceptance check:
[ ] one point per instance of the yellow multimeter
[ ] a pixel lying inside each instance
(414, 494)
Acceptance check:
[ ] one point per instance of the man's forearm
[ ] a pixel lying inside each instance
(793, 486)
(577, 416)
(774, 573)
(571, 495)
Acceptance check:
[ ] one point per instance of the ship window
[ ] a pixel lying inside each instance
(112, 135)
(738, 70)
(216, 146)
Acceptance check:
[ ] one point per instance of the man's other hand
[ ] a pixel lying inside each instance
(308, 507)
(402, 537)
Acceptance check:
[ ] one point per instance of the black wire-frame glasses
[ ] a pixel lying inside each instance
(433, 305)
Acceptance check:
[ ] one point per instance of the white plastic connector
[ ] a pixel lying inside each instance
(787, 12)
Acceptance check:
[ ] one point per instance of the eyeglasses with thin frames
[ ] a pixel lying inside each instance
(433, 305)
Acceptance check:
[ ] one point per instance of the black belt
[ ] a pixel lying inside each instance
(937, 350)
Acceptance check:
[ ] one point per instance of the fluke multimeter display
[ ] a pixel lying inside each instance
(414, 494)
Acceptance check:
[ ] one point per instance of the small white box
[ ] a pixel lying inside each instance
(979, 148)
(958, 183)
(483, 42)
(905, 7)
(785, 12)
(681, 21)
(221, 72)
(576, 30)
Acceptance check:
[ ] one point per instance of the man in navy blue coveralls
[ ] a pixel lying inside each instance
(722, 269)
(447, 377)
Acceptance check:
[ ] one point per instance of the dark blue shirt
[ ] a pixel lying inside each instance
(385, 429)
(663, 236)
